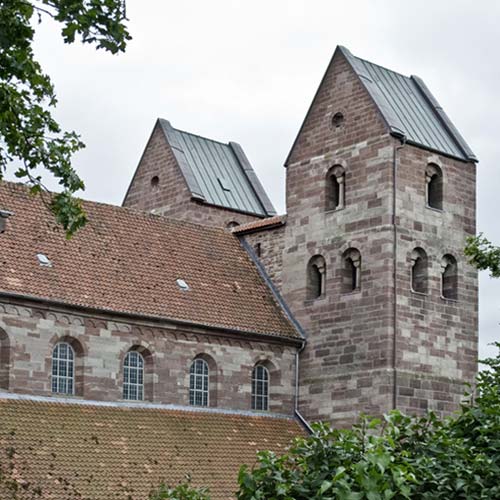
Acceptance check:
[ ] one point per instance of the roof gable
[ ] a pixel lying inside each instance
(217, 173)
(128, 262)
(409, 109)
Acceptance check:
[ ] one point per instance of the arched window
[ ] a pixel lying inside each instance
(133, 376)
(434, 186)
(199, 383)
(419, 270)
(232, 224)
(316, 277)
(4, 360)
(260, 388)
(449, 277)
(351, 272)
(63, 369)
(335, 188)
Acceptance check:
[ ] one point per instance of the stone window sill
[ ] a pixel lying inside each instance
(422, 294)
(448, 299)
(434, 209)
(335, 210)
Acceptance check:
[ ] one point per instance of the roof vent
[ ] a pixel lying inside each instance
(4, 215)
(43, 260)
(224, 184)
(182, 285)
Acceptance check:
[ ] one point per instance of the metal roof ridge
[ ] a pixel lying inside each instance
(144, 405)
(198, 135)
(444, 118)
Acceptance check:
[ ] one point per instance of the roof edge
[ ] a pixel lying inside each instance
(444, 119)
(279, 299)
(11, 396)
(180, 157)
(268, 337)
(252, 178)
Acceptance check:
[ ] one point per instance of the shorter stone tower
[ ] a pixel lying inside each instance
(185, 176)
(380, 200)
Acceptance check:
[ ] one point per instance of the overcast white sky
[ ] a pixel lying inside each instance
(247, 71)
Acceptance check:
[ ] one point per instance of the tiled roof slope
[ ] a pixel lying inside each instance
(410, 109)
(129, 262)
(217, 173)
(258, 225)
(68, 451)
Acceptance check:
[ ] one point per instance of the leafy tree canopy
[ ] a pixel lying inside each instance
(28, 132)
(483, 255)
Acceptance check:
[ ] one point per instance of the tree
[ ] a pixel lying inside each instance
(28, 132)
(483, 255)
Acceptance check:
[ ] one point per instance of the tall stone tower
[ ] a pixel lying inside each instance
(380, 200)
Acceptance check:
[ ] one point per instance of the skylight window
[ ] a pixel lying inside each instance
(43, 260)
(182, 285)
(224, 184)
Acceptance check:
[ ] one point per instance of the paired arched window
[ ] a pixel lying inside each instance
(63, 369)
(449, 277)
(419, 270)
(351, 270)
(434, 186)
(199, 383)
(260, 388)
(316, 277)
(335, 188)
(133, 376)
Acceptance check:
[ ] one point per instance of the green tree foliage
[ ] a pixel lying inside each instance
(483, 255)
(28, 132)
(183, 491)
(397, 458)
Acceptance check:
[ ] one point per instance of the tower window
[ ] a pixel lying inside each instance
(449, 277)
(155, 182)
(63, 369)
(351, 272)
(434, 186)
(335, 188)
(198, 383)
(419, 270)
(260, 388)
(337, 120)
(316, 277)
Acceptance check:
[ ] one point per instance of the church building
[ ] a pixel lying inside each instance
(189, 328)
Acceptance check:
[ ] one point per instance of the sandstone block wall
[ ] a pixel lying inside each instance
(101, 344)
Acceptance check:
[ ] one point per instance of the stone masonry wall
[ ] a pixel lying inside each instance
(437, 337)
(268, 245)
(347, 364)
(171, 196)
(101, 344)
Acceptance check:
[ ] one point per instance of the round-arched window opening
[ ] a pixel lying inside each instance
(155, 182)
(337, 120)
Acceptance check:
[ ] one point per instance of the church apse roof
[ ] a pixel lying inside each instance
(136, 263)
(217, 173)
(409, 109)
(69, 450)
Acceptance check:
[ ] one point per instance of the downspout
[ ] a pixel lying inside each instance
(402, 138)
(302, 420)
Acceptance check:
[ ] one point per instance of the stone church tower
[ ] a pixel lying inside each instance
(380, 200)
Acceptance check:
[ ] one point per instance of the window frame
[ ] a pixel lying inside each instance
(433, 174)
(265, 382)
(335, 183)
(139, 369)
(204, 377)
(69, 362)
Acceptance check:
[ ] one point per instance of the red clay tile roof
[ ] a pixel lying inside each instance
(67, 451)
(127, 261)
(277, 220)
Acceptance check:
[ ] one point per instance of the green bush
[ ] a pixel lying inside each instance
(397, 458)
(183, 491)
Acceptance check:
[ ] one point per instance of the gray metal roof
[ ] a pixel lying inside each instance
(409, 109)
(217, 173)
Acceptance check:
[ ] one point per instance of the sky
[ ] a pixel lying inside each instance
(247, 71)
